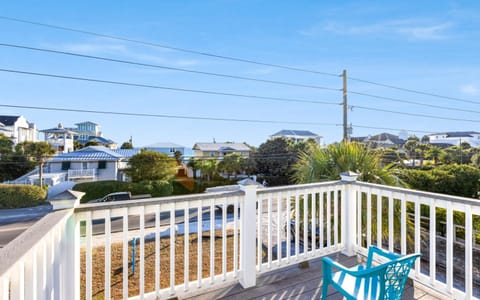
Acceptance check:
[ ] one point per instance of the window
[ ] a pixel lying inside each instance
(172, 150)
(85, 165)
(65, 165)
(102, 164)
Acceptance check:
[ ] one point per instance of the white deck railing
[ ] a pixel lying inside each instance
(82, 173)
(190, 243)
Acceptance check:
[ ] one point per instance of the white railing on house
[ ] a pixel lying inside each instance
(190, 243)
(81, 173)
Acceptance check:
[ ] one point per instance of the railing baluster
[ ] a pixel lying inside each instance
(157, 250)
(369, 217)
(186, 245)
(288, 224)
(432, 238)
(403, 226)
(379, 220)
(212, 241)
(321, 202)
(125, 252)
(224, 239)
(88, 255)
(235, 237)
(297, 224)
(335, 219)
(142, 251)
(417, 236)
(305, 222)
(5, 287)
(391, 232)
(199, 244)
(269, 226)
(172, 249)
(329, 219)
(279, 225)
(449, 247)
(468, 252)
(314, 225)
(259, 233)
(359, 218)
(31, 275)
(108, 241)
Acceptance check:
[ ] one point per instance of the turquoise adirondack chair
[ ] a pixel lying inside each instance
(383, 281)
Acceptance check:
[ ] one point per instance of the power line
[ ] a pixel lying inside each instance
(414, 114)
(166, 87)
(169, 68)
(164, 115)
(157, 45)
(413, 91)
(414, 102)
(389, 128)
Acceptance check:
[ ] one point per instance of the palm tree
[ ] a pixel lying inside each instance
(38, 152)
(434, 153)
(327, 163)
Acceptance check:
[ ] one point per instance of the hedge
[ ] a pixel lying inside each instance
(18, 196)
(98, 189)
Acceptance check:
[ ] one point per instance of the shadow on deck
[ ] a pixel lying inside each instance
(294, 282)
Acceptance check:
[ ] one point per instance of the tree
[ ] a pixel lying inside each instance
(91, 143)
(151, 166)
(207, 168)
(274, 160)
(230, 164)
(12, 164)
(38, 152)
(327, 163)
(434, 153)
(6, 145)
(178, 157)
(126, 145)
(192, 163)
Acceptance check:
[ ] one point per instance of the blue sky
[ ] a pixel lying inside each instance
(431, 46)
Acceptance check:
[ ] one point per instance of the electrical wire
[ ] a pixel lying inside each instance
(165, 87)
(389, 128)
(163, 115)
(413, 91)
(414, 102)
(158, 45)
(169, 68)
(413, 114)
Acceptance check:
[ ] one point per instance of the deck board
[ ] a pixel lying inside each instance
(293, 282)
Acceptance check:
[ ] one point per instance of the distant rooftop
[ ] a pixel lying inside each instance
(164, 145)
(457, 133)
(289, 132)
(221, 147)
(8, 120)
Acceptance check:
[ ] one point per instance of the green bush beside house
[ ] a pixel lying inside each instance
(19, 196)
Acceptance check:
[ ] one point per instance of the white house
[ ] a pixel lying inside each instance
(61, 139)
(18, 129)
(456, 138)
(297, 135)
(92, 163)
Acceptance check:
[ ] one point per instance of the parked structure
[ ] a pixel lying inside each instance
(380, 140)
(297, 135)
(219, 150)
(455, 138)
(61, 139)
(18, 129)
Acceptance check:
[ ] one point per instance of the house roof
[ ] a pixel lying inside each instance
(457, 133)
(221, 147)
(86, 123)
(304, 133)
(127, 153)
(8, 120)
(379, 138)
(91, 153)
(58, 130)
(98, 139)
(164, 145)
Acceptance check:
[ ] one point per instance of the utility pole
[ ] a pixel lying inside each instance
(345, 108)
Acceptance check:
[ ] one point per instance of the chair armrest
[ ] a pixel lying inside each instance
(380, 252)
(358, 271)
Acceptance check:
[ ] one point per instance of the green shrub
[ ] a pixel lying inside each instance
(17, 196)
(98, 189)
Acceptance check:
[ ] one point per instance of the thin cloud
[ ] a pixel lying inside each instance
(470, 89)
(413, 29)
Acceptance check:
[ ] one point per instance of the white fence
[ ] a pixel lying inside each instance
(81, 173)
(190, 243)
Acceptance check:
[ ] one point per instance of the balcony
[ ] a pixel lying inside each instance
(86, 252)
(81, 174)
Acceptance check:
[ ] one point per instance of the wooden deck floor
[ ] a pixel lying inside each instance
(301, 283)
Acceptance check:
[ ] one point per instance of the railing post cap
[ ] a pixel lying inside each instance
(66, 199)
(349, 176)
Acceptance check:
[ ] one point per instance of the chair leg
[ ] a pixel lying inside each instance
(324, 289)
